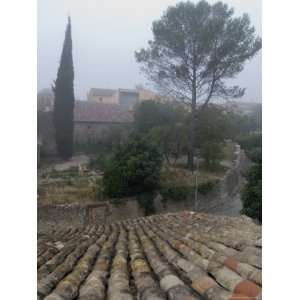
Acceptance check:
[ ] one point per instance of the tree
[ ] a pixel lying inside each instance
(134, 168)
(165, 125)
(171, 139)
(213, 128)
(252, 193)
(212, 153)
(252, 144)
(150, 114)
(196, 48)
(64, 99)
(213, 124)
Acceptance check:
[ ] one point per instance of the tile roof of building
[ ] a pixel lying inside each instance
(178, 256)
(88, 111)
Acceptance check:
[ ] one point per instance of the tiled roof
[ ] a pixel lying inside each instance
(179, 256)
(101, 92)
(88, 111)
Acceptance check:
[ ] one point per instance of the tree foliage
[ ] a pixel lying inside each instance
(133, 169)
(213, 124)
(171, 139)
(150, 114)
(252, 144)
(212, 153)
(252, 193)
(165, 125)
(196, 47)
(213, 127)
(64, 99)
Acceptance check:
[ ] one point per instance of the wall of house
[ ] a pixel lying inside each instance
(128, 99)
(46, 133)
(114, 99)
(91, 133)
(147, 95)
(84, 132)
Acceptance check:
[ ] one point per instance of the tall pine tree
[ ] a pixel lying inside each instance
(64, 99)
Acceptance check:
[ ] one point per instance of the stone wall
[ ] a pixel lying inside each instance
(84, 132)
(46, 133)
(80, 215)
(89, 133)
(49, 215)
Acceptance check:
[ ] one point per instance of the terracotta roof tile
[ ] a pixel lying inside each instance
(173, 256)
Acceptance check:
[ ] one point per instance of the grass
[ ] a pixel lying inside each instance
(67, 189)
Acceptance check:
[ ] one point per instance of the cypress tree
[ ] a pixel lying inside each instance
(64, 99)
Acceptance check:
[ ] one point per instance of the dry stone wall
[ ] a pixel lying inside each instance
(80, 215)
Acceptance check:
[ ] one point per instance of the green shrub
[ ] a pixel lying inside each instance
(175, 192)
(250, 141)
(212, 153)
(252, 193)
(205, 187)
(145, 200)
(99, 189)
(101, 162)
(133, 169)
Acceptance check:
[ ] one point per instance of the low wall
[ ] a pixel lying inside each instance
(79, 215)
(49, 215)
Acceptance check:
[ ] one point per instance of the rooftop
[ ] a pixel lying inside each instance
(178, 256)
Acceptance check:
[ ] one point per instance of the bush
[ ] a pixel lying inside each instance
(133, 169)
(101, 162)
(175, 192)
(99, 189)
(205, 187)
(255, 154)
(145, 200)
(252, 193)
(212, 154)
(250, 141)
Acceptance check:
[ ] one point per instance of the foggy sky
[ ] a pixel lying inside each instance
(105, 35)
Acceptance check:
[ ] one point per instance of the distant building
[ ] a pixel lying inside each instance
(45, 98)
(103, 96)
(128, 97)
(92, 120)
(124, 97)
(145, 94)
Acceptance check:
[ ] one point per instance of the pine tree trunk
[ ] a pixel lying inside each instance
(192, 125)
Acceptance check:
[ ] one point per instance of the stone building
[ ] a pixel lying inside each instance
(103, 96)
(91, 121)
(124, 97)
